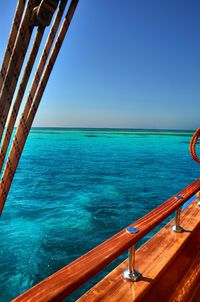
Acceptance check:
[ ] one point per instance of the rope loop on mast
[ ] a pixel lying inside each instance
(44, 12)
(193, 144)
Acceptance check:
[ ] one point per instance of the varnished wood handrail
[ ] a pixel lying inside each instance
(62, 283)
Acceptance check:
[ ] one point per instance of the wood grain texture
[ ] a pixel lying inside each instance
(195, 295)
(64, 282)
(169, 263)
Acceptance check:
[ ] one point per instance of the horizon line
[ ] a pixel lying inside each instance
(110, 128)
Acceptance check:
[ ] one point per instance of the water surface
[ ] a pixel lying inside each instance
(76, 187)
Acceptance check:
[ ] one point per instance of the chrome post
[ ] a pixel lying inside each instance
(131, 273)
(177, 228)
(198, 197)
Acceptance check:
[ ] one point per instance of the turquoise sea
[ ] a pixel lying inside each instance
(74, 188)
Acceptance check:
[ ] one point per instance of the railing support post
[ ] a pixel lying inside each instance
(198, 196)
(131, 273)
(176, 227)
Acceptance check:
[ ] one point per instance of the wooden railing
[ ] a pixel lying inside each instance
(62, 283)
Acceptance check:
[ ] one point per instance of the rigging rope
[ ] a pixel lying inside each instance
(44, 57)
(11, 41)
(28, 69)
(35, 95)
(20, 94)
(15, 64)
(193, 143)
(35, 82)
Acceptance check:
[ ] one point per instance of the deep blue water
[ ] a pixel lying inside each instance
(75, 188)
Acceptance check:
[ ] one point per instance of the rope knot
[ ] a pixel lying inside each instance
(44, 12)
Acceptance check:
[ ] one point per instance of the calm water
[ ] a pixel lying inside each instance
(75, 188)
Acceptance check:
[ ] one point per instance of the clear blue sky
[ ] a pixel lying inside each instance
(131, 63)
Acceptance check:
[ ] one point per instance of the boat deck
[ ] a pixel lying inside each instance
(171, 268)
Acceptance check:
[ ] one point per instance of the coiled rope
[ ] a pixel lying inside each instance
(193, 144)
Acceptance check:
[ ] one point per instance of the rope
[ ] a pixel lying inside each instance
(42, 62)
(193, 143)
(20, 94)
(11, 41)
(15, 64)
(50, 65)
(25, 125)
(44, 58)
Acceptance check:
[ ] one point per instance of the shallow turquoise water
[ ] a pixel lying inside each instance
(75, 188)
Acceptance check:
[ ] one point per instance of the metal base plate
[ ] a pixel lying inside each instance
(177, 229)
(132, 276)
